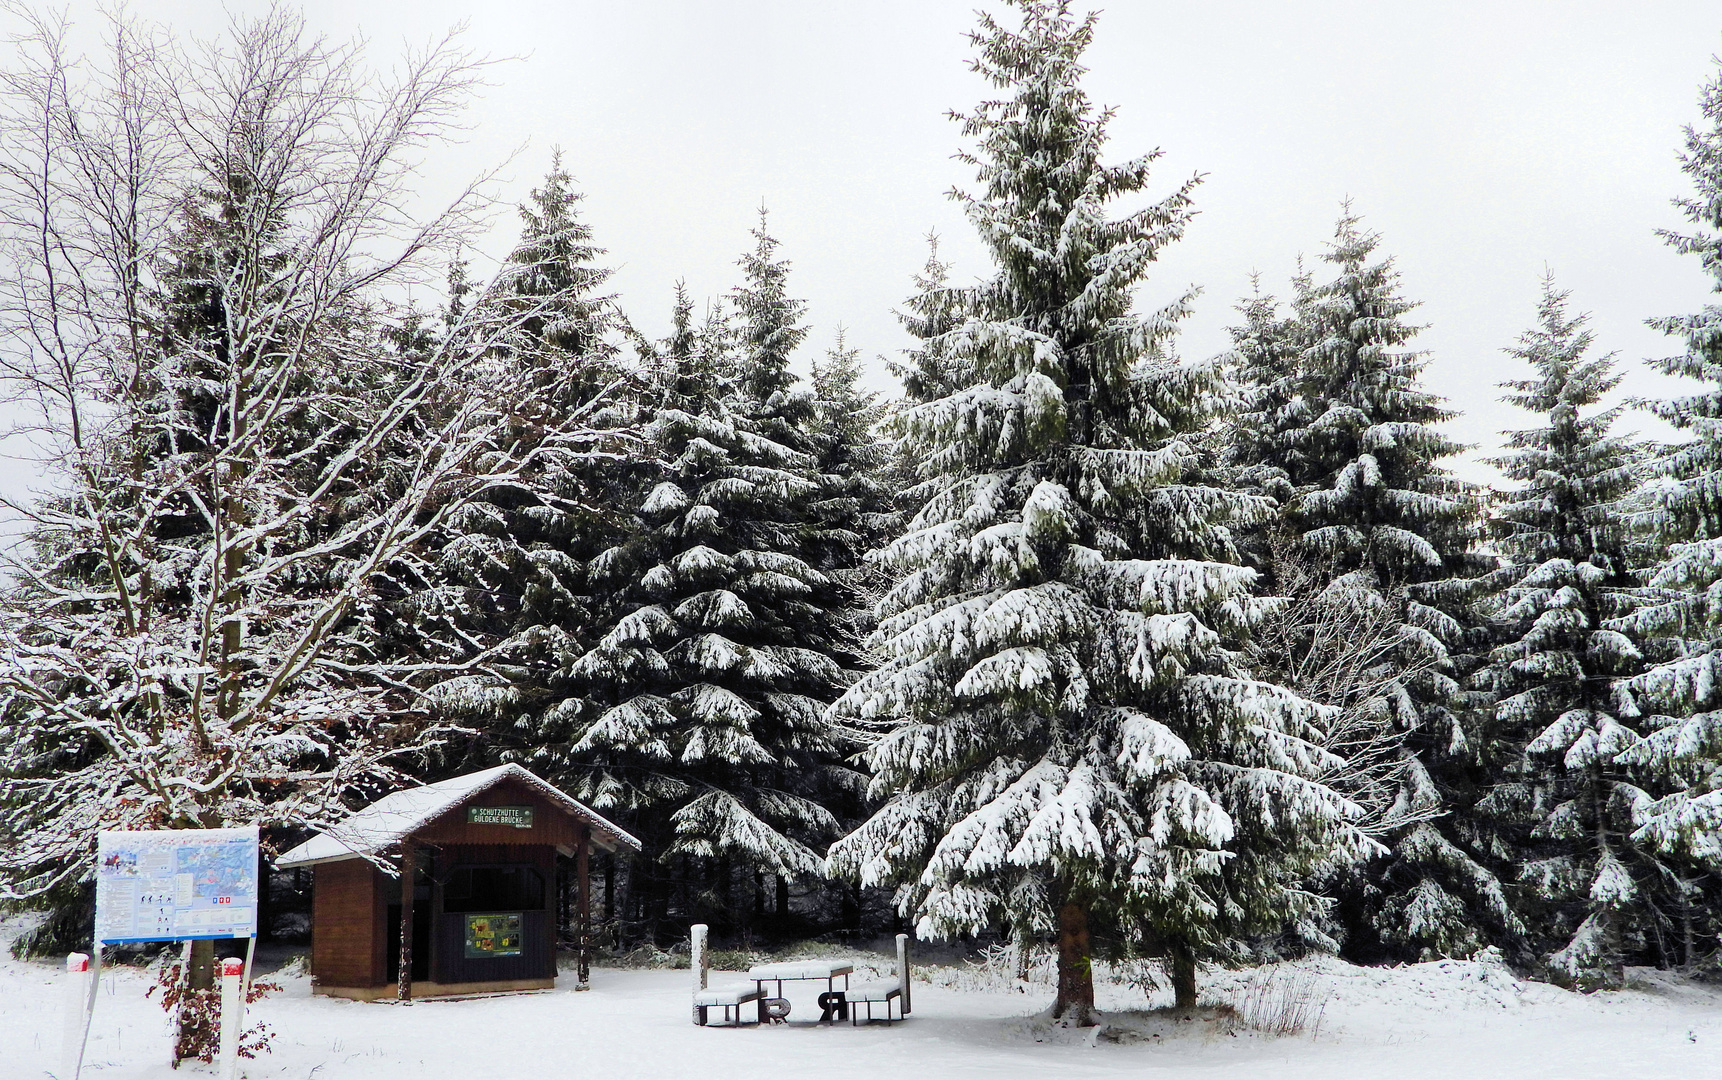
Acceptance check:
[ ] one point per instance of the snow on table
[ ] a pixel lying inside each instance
(785, 970)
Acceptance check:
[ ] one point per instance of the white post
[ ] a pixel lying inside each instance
(698, 956)
(77, 1010)
(232, 1016)
(697, 961)
(95, 984)
(903, 972)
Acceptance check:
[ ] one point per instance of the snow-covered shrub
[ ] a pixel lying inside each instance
(1005, 966)
(1280, 999)
(197, 1016)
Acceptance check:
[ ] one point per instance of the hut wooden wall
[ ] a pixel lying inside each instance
(347, 920)
(449, 963)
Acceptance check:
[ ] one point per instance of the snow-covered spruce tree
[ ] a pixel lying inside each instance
(854, 457)
(1066, 739)
(1557, 810)
(1386, 523)
(936, 308)
(245, 452)
(508, 604)
(1326, 639)
(1374, 499)
(928, 371)
(1681, 694)
(698, 714)
(555, 258)
(1262, 445)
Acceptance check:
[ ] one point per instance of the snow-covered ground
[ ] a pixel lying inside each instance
(1448, 1019)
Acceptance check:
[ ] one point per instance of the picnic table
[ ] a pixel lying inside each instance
(832, 1003)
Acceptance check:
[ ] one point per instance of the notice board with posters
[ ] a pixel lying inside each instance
(493, 935)
(176, 884)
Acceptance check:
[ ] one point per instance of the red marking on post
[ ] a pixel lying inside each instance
(233, 966)
(77, 962)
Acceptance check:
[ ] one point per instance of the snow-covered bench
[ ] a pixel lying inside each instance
(884, 991)
(726, 997)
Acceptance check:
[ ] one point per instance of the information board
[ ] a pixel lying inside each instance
(176, 884)
(492, 935)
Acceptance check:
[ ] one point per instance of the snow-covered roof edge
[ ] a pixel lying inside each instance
(399, 814)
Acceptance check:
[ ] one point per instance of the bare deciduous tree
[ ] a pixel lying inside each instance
(1343, 642)
(201, 256)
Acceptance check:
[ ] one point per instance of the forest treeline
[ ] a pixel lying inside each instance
(1073, 640)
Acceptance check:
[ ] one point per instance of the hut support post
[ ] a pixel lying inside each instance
(583, 910)
(409, 870)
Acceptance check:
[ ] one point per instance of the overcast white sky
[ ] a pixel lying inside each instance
(1483, 140)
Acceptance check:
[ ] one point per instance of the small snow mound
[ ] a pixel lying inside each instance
(1671, 986)
(1133, 1027)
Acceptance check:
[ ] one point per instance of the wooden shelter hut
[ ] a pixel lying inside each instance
(468, 868)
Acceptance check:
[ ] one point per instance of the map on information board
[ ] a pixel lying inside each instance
(176, 884)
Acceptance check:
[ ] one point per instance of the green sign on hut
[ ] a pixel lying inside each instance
(474, 870)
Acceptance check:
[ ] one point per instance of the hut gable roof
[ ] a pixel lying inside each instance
(398, 815)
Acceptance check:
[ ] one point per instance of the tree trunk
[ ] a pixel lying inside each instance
(851, 907)
(1656, 929)
(609, 888)
(1685, 929)
(200, 967)
(660, 905)
(1075, 970)
(1183, 976)
(199, 959)
(782, 896)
